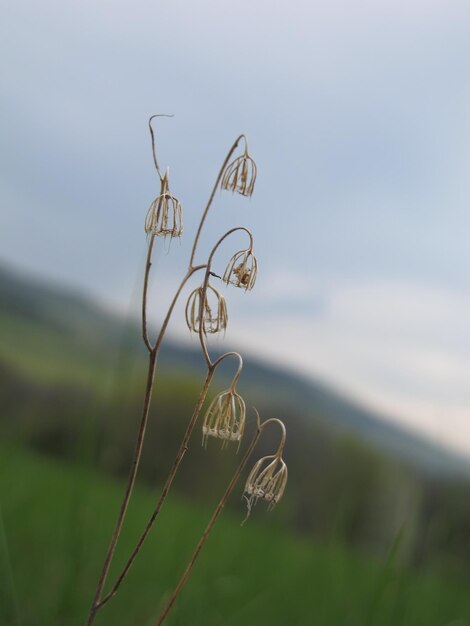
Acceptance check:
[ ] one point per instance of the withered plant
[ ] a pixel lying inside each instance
(206, 313)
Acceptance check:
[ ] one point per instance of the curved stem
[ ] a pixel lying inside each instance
(274, 420)
(209, 527)
(202, 334)
(211, 197)
(161, 334)
(240, 364)
(227, 234)
(154, 153)
(219, 508)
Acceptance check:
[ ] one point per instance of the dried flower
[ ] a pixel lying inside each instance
(242, 270)
(214, 319)
(267, 481)
(164, 217)
(240, 175)
(225, 417)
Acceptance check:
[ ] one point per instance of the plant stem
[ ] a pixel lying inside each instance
(211, 197)
(153, 354)
(129, 487)
(209, 527)
(166, 488)
(148, 265)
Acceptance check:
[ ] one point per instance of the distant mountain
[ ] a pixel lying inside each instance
(63, 311)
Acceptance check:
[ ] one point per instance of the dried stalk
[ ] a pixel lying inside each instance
(218, 510)
(98, 600)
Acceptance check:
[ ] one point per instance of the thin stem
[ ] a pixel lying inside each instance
(227, 234)
(176, 463)
(153, 353)
(209, 527)
(148, 265)
(154, 153)
(129, 488)
(211, 197)
(274, 420)
(240, 364)
(166, 488)
(161, 334)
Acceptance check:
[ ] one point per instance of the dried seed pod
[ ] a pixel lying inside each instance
(267, 481)
(214, 318)
(225, 418)
(241, 270)
(164, 217)
(240, 175)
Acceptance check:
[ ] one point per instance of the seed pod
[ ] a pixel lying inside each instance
(242, 270)
(225, 418)
(240, 175)
(164, 217)
(267, 481)
(214, 318)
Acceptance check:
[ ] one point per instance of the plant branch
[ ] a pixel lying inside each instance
(209, 527)
(128, 491)
(166, 488)
(152, 135)
(153, 354)
(148, 265)
(211, 197)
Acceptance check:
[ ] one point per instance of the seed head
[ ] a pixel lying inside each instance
(214, 318)
(164, 217)
(267, 481)
(241, 270)
(225, 418)
(240, 175)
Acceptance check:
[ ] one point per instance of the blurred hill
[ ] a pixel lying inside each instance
(96, 335)
(71, 385)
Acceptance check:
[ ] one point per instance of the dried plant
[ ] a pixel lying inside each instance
(214, 318)
(164, 217)
(206, 313)
(240, 174)
(267, 480)
(242, 270)
(225, 417)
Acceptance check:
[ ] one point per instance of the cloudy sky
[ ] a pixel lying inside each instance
(358, 115)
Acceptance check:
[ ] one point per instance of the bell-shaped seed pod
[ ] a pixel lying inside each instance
(164, 217)
(241, 270)
(267, 481)
(214, 316)
(240, 175)
(225, 418)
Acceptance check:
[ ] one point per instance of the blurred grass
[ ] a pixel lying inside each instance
(55, 527)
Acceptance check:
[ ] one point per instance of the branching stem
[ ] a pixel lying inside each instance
(218, 510)
(99, 601)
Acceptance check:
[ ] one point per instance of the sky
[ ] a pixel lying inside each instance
(358, 117)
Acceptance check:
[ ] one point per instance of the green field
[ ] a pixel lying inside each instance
(56, 521)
